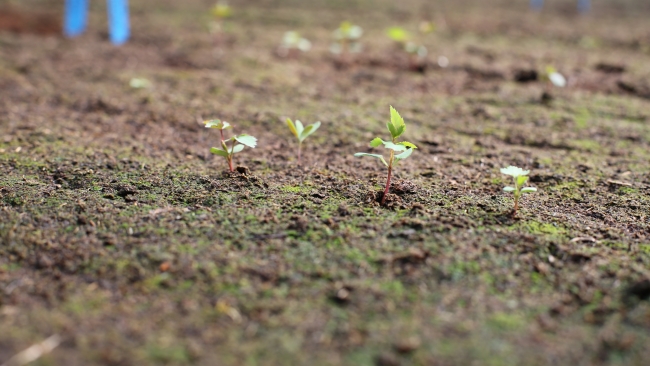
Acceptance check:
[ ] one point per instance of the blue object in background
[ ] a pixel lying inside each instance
(76, 18)
(536, 4)
(583, 5)
(118, 20)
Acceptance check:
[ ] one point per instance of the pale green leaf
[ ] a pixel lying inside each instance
(404, 155)
(509, 189)
(393, 146)
(309, 130)
(217, 151)
(237, 148)
(247, 140)
(299, 127)
(529, 190)
(373, 156)
(514, 171)
(217, 123)
(292, 128)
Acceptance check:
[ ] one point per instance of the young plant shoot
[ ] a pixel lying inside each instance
(237, 142)
(301, 132)
(396, 127)
(520, 178)
(346, 39)
(402, 38)
(220, 12)
(292, 44)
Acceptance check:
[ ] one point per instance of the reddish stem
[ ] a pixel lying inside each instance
(514, 212)
(390, 173)
(299, 153)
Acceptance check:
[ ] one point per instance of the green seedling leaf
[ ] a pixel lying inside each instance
(521, 180)
(380, 157)
(396, 125)
(557, 79)
(398, 34)
(218, 124)
(237, 148)
(514, 171)
(299, 128)
(309, 130)
(393, 146)
(247, 140)
(528, 190)
(376, 142)
(404, 155)
(509, 189)
(292, 127)
(217, 151)
(408, 144)
(221, 10)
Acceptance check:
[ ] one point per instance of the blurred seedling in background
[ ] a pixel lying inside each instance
(140, 83)
(220, 12)
(293, 44)
(417, 53)
(426, 27)
(552, 78)
(346, 39)
(396, 127)
(237, 142)
(520, 177)
(301, 132)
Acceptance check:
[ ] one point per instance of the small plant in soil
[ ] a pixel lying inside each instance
(417, 53)
(520, 178)
(552, 79)
(292, 44)
(220, 12)
(237, 142)
(301, 132)
(346, 39)
(396, 127)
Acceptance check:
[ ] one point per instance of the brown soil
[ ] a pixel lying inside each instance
(121, 233)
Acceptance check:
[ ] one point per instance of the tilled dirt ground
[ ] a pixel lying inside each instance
(123, 235)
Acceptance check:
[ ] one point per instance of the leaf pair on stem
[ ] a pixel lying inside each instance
(301, 132)
(237, 142)
(520, 178)
(396, 127)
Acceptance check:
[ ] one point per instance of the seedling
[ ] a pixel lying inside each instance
(396, 127)
(220, 12)
(292, 43)
(238, 142)
(346, 38)
(301, 132)
(402, 38)
(520, 178)
(552, 78)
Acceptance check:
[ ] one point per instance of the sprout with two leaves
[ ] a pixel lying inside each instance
(396, 127)
(238, 142)
(520, 178)
(220, 12)
(292, 42)
(346, 39)
(403, 39)
(301, 132)
(552, 78)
